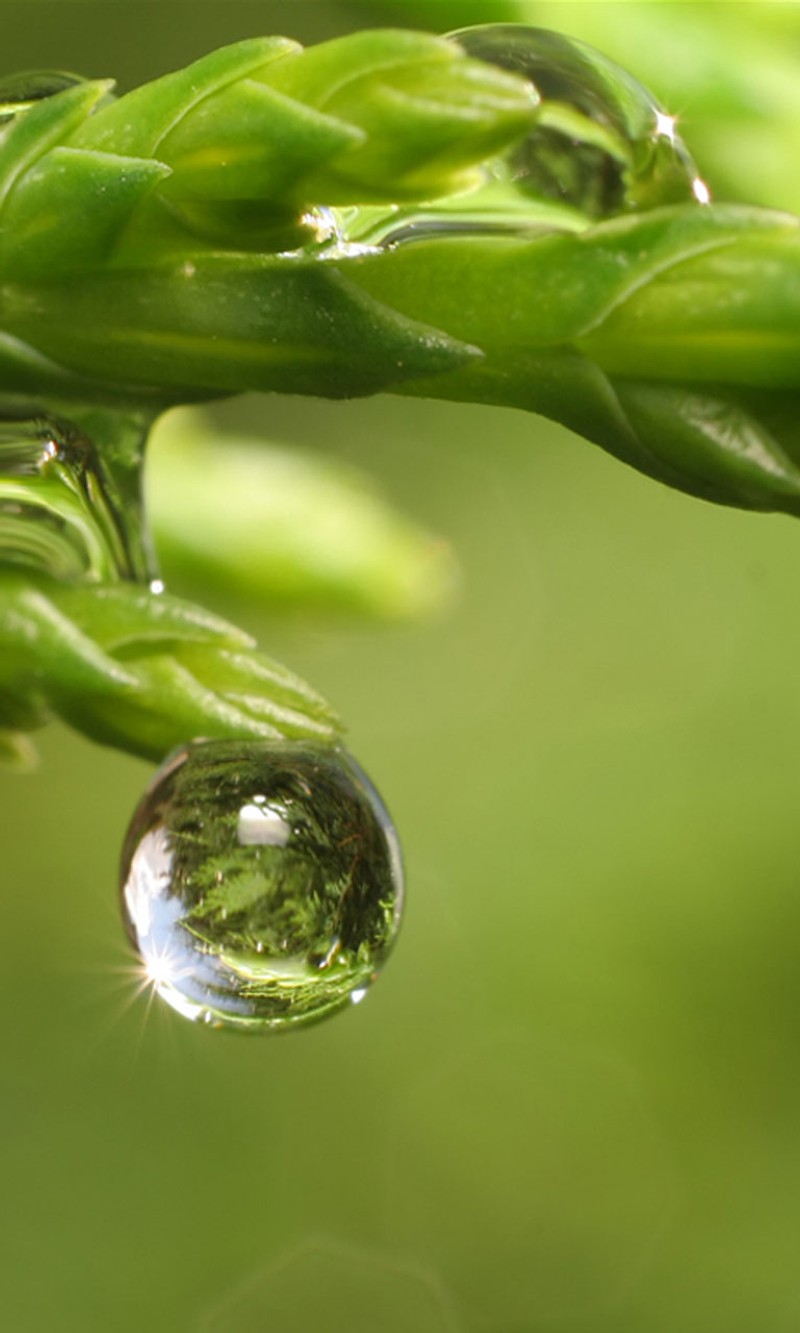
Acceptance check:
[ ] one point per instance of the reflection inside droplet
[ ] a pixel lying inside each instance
(601, 146)
(602, 143)
(57, 511)
(263, 824)
(261, 883)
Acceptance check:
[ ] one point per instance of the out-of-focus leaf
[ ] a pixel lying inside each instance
(17, 751)
(291, 529)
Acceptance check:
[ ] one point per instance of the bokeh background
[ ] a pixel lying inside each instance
(572, 1103)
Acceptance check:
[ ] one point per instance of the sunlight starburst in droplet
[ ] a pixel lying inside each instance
(124, 983)
(261, 884)
(160, 968)
(161, 971)
(665, 125)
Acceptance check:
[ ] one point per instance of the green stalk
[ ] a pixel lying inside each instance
(350, 220)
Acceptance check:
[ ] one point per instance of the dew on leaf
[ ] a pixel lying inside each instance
(602, 144)
(261, 883)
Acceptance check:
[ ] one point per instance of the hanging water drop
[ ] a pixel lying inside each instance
(602, 143)
(261, 883)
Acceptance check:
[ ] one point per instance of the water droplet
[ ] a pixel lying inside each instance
(57, 511)
(602, 144)
(19, 91)
(261, 883)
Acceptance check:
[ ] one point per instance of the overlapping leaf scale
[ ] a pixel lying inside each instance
(143, 240)
(671, 338)
(141, 671)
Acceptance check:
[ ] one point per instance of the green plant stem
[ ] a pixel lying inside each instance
(346, 221)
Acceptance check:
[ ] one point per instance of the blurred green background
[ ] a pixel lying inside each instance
(571, 1105)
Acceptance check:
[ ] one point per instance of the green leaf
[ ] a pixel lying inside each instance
(46, 233)
(290, 529)
(427, 114)
(679, 307)
(45, 125)
(137, 124)
(224, 324)
(141, 671)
